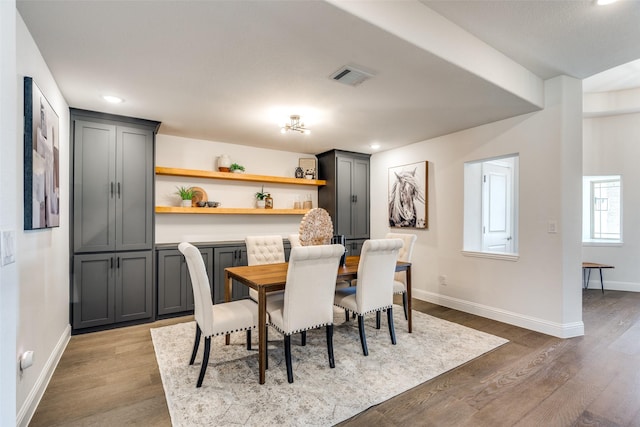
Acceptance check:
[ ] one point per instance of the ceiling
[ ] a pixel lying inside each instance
(231, 71)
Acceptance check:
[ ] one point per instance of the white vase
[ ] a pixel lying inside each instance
(260, 204)
(224, 162)
(186, 203)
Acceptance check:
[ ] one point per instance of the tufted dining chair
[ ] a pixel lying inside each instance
(374, 291)
(213, 320)
(294, 240)
(308, 296)
(264, 250)
(400, 278)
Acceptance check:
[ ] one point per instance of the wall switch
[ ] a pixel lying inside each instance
(442, 280)
(7, 247)
(552, 226)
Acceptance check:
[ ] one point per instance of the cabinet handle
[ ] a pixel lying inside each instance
(111, 189)
(118, 262)
(118, 190)
(111, 265)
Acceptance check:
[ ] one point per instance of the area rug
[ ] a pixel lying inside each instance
(320, 396)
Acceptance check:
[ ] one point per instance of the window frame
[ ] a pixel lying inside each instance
(589, 209)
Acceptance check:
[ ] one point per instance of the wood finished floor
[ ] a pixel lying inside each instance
(111, 378)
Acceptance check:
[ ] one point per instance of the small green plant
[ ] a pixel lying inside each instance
(261, 195)
(236, 167)
(185, 193)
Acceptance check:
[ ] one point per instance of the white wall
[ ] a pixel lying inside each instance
(542, 289)
(43, 261)
(612, 147)
(8, 198)
(177, 152)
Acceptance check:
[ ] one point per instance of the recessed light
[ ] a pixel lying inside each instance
(374, 146)
(605, 2)
(112, 99)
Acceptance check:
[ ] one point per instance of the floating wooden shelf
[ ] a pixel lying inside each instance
(228, 211)
(194, 173)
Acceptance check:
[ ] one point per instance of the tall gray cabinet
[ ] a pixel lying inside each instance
(346, 195)
(113, 219)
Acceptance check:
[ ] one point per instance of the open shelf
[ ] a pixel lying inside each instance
(228, 211)
(194, 173)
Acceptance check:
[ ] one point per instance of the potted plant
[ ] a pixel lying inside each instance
(236, 168)
(186, 194)
(261, 197)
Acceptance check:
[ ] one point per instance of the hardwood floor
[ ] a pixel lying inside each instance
(111, 378)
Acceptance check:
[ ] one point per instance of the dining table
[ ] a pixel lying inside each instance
(267, 278)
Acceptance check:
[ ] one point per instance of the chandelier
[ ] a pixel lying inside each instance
(295, 125)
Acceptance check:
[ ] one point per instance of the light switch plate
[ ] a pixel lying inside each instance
(552, 227)
(7, 247)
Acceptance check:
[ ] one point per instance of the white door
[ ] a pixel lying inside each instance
(497, 206)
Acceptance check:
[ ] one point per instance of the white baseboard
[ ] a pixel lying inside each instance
(615, 286)
(32, 401)
(560, 330)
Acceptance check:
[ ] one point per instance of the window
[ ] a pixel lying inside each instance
(602, 209)
(491, 206)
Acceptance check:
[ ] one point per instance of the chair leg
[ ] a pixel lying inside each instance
(248, 339)
(378, 319)
(266, 347)
(392, 330)
(303, 338)
(404, 303)
(332, 362)
(363, 338)
(287, 356)
(346, 315)
(205, 360)
(196, 344)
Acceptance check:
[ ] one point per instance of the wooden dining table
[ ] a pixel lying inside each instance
(273, 277)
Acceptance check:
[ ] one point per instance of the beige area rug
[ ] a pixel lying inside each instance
(230, 394)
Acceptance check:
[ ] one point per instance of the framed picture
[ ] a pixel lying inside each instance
(408, 195)
(41, 160)
(309, 166)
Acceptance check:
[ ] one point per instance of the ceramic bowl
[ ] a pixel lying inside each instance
(202, 204)
(212, 204)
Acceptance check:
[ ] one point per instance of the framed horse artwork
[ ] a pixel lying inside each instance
(408, 197)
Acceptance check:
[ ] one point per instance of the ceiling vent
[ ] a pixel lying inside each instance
(350, 75)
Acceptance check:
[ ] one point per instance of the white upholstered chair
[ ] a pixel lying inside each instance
(213, 320)
(264, 250)
(294, 240)
(308, 296)
(374, 291)
(400, 278)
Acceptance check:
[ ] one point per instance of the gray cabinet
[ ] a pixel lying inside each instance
(112, 219)
(112, 187)
(223, 257)
(111, 287)
(175, 294)
(346, 195)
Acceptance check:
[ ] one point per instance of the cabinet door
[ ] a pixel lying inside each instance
(172, 279)
(223, 257)
(134, 285)
(344, 199)
(354, 247)
(360, 205)
(93, 290)
(134, 189)
(94, 182)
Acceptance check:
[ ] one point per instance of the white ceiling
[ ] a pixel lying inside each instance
(229, 71)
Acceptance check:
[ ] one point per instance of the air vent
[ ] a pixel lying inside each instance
(350, 76)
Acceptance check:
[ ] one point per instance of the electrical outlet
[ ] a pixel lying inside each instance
(552, 227)
(442, 280)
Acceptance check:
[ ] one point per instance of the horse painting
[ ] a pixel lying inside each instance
(407, 207)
